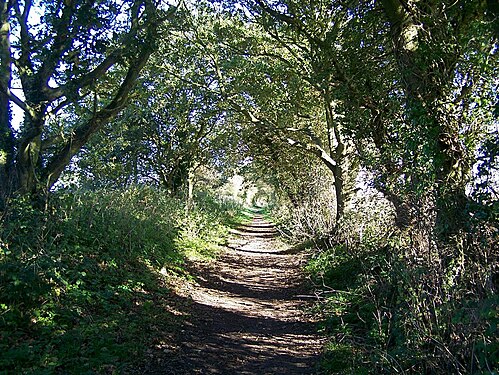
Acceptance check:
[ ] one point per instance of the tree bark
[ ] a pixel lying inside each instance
(6, 133)
(337, 152)
(190, 190)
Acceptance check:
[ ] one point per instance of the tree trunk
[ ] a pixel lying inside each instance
(423, 86)
(28, 155)
(337, 153)
(339, 193)
(190, 190)
(6, 133)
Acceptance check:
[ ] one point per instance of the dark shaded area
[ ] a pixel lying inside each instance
(223, 342)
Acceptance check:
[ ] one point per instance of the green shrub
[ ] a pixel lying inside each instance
(383, 315)
(84, 285)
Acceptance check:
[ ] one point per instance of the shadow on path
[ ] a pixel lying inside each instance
(247, 318)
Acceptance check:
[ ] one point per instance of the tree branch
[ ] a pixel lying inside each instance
(86, 80)
(83, 133)
(26, 65)
(316, 150)
(62, 43)
(293, 21)
(19, 102)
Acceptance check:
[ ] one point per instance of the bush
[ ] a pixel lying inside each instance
(84, 286)
(388, 307)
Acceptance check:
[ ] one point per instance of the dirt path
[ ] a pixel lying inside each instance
(247, 314)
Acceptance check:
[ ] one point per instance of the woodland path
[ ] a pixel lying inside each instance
(247, 316)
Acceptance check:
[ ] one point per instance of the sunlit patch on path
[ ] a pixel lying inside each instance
(247, 316)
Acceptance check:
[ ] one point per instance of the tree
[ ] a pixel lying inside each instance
(61, 52)
(402, 88)
(171, 127)
(6, 132)
(431, 43)
(269, 77)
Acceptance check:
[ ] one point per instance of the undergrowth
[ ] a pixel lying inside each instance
(381, 318)
(84, 286)
(389, 306)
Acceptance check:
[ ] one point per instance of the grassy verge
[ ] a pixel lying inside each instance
(85, 287)
(347, 313)
(379, 321)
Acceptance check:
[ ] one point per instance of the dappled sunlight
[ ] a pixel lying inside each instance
(266, 308)
(247, 314)
(145, 146)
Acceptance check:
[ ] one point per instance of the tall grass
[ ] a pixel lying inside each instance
(84, 286)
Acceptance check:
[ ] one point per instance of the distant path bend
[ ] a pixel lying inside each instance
(247, 316)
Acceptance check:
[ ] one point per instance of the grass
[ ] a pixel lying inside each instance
(85, 288)
(377, 322)
(346, 312)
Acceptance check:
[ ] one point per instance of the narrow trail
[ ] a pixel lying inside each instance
(248, 318)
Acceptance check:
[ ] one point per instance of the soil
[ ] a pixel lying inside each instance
(248, 312)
